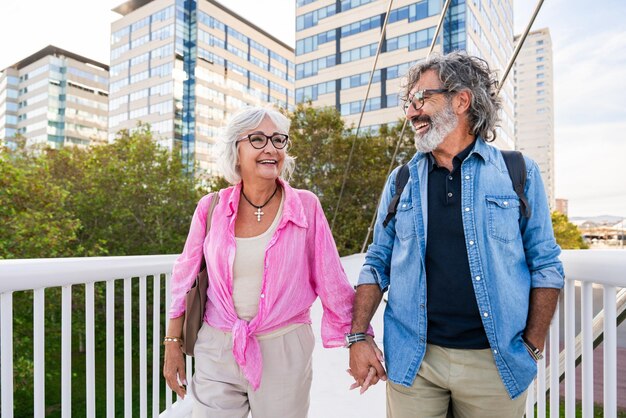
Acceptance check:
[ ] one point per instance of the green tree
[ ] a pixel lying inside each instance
(567, 234)
(132, 197)
(321, 145)
(34, 211)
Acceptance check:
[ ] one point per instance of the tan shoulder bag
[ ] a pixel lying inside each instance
(196, 296)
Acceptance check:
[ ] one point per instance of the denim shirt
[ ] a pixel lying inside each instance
(508, 255)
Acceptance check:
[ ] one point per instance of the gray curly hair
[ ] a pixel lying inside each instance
(457, 72)
(242, 121)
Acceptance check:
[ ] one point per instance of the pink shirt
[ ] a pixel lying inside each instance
(301, 263)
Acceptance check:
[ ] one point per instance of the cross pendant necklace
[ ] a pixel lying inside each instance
(258, 213)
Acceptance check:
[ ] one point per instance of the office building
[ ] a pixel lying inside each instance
(54, 98)
(336, 44)
(534, 130)
(561, 206)
(185, 66)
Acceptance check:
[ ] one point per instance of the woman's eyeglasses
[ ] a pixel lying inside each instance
(258, 140)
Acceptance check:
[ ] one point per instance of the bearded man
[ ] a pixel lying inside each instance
(472, 284)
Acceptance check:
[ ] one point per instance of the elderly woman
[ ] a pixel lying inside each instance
(269, 254)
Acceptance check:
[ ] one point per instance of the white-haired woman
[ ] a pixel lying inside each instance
(269, 254)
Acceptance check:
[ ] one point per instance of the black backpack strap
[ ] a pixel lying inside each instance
(516, 166)
(402, 178)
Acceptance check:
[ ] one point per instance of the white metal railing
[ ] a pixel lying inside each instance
(39, 274)
(605, 268)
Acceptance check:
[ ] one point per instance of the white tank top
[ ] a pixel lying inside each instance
(248, 269)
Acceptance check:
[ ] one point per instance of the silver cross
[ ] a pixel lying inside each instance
(258, 214)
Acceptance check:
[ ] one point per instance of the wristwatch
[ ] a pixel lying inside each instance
(534, 351)
(354, 338)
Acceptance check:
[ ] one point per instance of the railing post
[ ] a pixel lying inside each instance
(90, 350)
(156, 343)
(555, 349)
(110, 347)
(39, 363)
(610, 353)
(66, 351)
(168, 391)
(586, 320)
(6, 351)
(570, 349)
(143, 359)
(128, 361)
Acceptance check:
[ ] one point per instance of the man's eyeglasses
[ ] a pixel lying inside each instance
(258, 140)
(417, 101)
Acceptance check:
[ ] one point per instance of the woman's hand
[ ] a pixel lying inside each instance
(174, 369)
(366, 364)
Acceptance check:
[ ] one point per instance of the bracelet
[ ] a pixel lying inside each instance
(168, 339)
(534, 351)
(355, 338)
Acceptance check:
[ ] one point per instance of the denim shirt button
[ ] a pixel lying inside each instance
(471, 242)
(467, 177)
(485, 314)
(421, 306)
(477, 278)
(495, 351)
(467, 209)
(404, 205)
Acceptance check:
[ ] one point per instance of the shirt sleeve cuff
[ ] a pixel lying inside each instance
(369, 275)
(549, 277)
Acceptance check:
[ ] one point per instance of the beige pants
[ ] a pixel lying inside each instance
(466, 379)
(221, 390)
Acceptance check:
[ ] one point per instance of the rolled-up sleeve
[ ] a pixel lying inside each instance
(187, 265)
(378, 257)
(542, 251)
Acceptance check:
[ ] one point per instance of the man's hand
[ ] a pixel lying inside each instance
(174, 369)
(366, 364)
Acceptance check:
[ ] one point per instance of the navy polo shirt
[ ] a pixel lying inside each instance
(453, 317)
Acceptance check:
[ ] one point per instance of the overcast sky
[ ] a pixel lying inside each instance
(589, 47)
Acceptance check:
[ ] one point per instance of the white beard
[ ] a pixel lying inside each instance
(441, 124)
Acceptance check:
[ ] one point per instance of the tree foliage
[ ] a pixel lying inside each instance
(33, 209)
(567, 234)
(129, 197)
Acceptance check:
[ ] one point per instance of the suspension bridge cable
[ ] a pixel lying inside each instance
(399, 142)
(519, 45)
(358, 127)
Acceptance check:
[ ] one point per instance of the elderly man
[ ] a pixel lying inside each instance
(472, 282)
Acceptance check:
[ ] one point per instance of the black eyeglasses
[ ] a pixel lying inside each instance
(417, 101)
(258, 140)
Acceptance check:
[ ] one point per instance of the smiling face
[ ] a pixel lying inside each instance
(265, 163)
(435, 120)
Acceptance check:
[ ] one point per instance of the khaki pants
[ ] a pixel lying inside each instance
(221, 391)
(467, 380)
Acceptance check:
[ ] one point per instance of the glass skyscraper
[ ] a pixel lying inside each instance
(184, 65)
(54, 98)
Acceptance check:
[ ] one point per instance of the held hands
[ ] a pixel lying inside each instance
(366, 364)
(174, 369)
